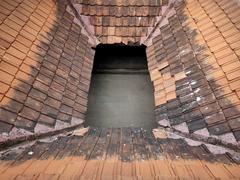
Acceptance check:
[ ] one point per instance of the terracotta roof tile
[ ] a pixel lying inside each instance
(123, 14)
(207, 28)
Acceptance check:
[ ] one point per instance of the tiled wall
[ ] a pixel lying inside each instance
(119, 21)
(194, 64)
(45, 67)
(46, 62)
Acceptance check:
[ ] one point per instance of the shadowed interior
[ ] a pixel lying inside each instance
(121, 93)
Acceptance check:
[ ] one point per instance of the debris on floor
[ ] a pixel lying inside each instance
(160, 133)
(49, 139)
(80, 132)
(30, 153)
(125, 153)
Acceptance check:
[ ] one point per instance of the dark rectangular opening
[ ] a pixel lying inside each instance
(121, 93)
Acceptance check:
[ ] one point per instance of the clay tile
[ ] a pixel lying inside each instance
(138, 31)
(138, 21)
(133, 31)
(151, 21)
(125, 2)
(154, 11)
(104, 31)
(125, 11)
(118, 11)
(106, 2)
(151, 2)
(132, 11)
(104, 39)
(125, 31)
(112, 21)
(106, 21)
(125, 21)
(118, 21)
(144, 31)
(132, 21)
(93, 10)
(85, 1)
(118, 31)
(139, 3)
(118, 39)
(111, 31)
(99, 10)
(145, 10)
(110, 40)
(119, 2)
(139, 11)
(113, 10)
(165, 2)
(98, 30)
(112, 2)
(145, 2)
(144, 21)
(97, 20)
(133, 2)
(105, 10)
(98, 2)
(85, 9)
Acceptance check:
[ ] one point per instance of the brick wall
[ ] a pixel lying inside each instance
(194, 63)
(45, 67)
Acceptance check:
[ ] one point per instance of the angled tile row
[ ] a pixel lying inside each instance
(45, 68)
(194, 65)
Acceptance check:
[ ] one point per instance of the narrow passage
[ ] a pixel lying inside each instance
(121, 93)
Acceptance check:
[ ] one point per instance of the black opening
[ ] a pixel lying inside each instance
(121, 93)
(123, 57)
